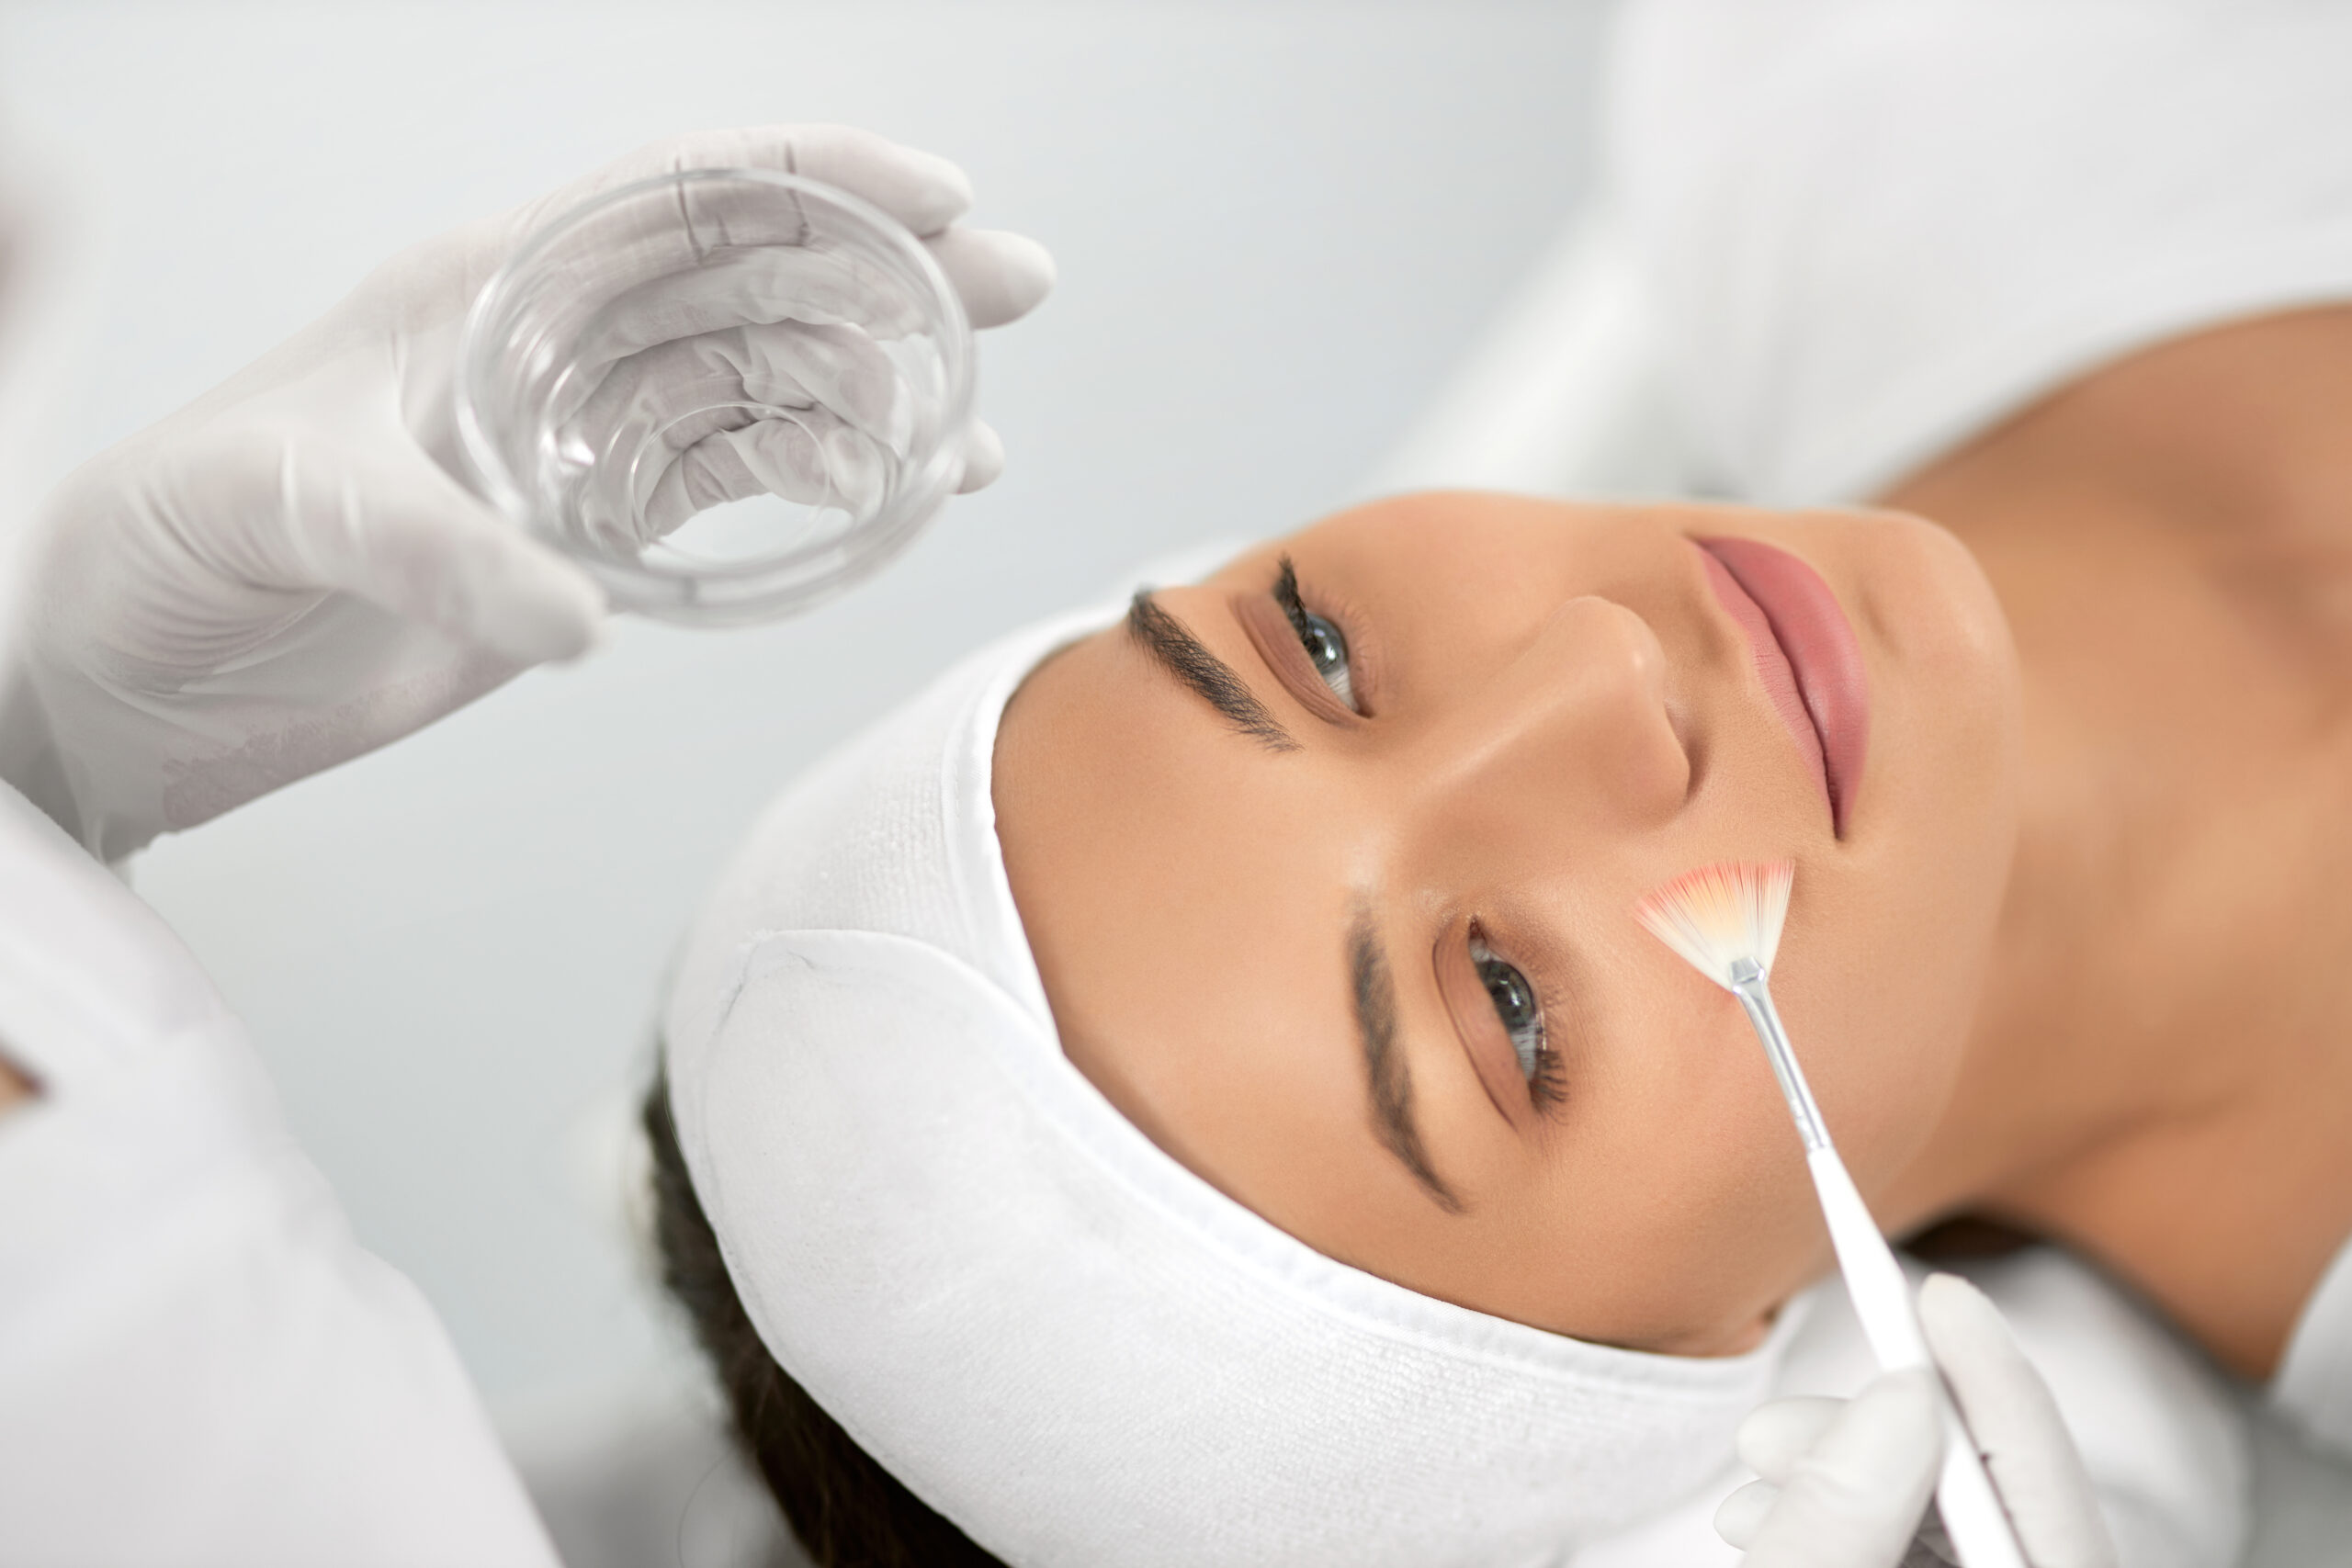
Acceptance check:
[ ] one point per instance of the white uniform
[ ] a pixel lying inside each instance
(198, 1362)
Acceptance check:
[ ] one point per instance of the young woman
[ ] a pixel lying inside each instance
(1325, 862)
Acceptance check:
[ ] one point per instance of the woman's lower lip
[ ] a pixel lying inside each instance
(1805, 619)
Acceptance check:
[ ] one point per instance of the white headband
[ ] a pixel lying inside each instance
(1055, 1336)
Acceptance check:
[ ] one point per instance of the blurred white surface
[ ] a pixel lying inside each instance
(1278, 224)
(1565, 394)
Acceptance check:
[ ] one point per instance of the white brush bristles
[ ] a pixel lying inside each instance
(1721, 913)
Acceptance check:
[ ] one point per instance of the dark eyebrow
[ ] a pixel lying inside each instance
(1390, 1076)
(1181, 654)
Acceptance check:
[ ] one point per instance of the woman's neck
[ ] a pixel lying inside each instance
(2165, 1052)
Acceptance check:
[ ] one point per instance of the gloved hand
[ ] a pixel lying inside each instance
(292, 570)
(1844, 1481)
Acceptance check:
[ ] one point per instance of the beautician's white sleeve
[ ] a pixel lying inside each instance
(199, 1364)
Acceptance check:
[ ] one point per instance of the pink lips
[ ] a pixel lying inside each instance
(1807, 653)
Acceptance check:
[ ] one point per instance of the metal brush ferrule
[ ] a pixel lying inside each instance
(1747, 983)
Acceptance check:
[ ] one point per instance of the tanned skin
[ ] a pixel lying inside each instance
(2167, 1024)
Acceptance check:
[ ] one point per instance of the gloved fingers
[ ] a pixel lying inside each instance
(748, 287)
(679, 395)
(401, 535)
(922, 190)
(1000, 277)
(810, 459)
(787, 364)
(722, 255)
(983, 458)
(675, 230)
(1775, 1437)
(2016, 1424)
(1856, 1498)
(1742, 1515)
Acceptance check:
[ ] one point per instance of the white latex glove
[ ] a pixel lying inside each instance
(1844, 1481)
(292, 572)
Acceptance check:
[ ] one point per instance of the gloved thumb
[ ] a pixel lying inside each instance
(396, 531)
(1855, 1499)
(2008, 1409)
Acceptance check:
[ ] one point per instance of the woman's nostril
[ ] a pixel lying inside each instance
(1691, 741)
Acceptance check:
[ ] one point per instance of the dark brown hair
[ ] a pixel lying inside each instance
(848, 1511)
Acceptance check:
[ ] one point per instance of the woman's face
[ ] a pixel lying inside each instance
(1330, 875)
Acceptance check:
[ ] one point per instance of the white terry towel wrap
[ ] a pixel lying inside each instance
(1054, 1335)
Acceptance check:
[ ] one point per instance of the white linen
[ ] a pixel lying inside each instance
(2313, 1386)
(198, 1365)
(1054, 1335)
(1874, 229)
(2163, 1437)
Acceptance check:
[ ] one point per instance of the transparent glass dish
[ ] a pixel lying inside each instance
(728, 393)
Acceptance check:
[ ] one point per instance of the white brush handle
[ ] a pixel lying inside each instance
(1974, 1517)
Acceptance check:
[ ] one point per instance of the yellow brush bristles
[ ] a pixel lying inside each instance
(1720, 913)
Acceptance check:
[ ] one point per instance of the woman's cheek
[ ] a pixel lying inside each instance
(1687, 1169)
(1880, 1034)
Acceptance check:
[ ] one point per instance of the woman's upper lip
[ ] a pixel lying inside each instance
(1829, 708)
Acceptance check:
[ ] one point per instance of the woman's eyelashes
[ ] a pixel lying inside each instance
(1326, 645)
(1521, 1016)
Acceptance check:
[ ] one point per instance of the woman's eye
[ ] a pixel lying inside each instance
(1515, 1004)
(1325, 644)
(1327, 649)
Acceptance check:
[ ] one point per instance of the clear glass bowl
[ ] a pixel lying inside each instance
(728, 393)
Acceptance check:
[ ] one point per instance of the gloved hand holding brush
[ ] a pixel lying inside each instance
(1845, 1481)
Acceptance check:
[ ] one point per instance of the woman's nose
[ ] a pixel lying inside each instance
(1577, 722)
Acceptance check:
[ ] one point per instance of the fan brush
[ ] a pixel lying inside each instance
(1724, 921)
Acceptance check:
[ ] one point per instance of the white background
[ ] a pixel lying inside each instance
(1277, 224)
